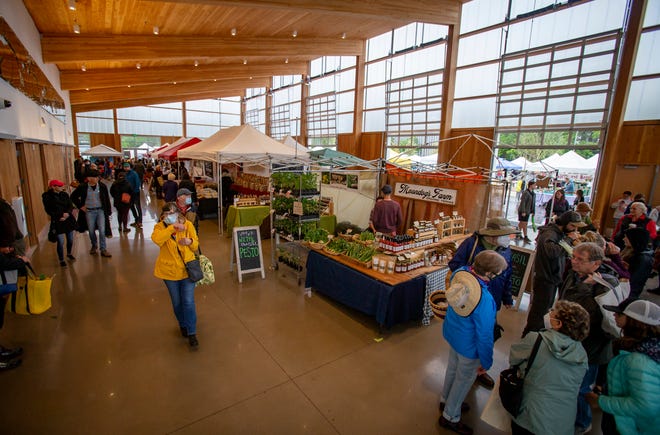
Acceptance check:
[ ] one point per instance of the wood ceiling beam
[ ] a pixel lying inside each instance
(76, 48)
(173, 91)
(111, 78)
(91, 107)
(426, 11)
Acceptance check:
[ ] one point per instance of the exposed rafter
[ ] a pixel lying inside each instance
(110, 78)
(429, 11)
(76, 48)
(173, 91)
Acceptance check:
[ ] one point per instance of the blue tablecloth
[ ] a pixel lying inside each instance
(388, 304)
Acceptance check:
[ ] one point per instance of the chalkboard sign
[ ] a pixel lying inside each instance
(521, 263)
(247, 249)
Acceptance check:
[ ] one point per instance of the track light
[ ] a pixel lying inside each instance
(174, 83)
(286, 60)
(244, 61)
(83, 67)
(138, 66)
(72, 5)
(343, 35)
(295, 33)
(76, 28)
(156, 30)
(233, 31)
(129, 86)
(196, 63)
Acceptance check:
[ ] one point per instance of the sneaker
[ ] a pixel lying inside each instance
(63, 263)
(486, 381)
(105, 253)
(465, 407)
(133, 224)
(126, 230)
(457, 427)
(92, 251)
(192, 341)
(138, 225)
(71, 257)
(527, 240)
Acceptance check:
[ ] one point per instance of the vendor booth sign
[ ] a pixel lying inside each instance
(426, 193)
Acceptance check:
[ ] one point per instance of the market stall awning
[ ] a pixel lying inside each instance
(171, 153)
(101, 151)
(330, 157)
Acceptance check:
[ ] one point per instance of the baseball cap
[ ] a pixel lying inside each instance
(183, 191)
(644, 311)
(55, 183)
(571, 217)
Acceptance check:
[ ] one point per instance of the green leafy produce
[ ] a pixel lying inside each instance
(338, 245)
(367, 236)
(316, 235)
(360, 252)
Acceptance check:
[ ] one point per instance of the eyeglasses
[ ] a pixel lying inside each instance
(581, 260)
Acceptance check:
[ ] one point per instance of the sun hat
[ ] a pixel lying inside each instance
(183, 191)
(583, 207)
(55, 183)
(644, 311)
(571, 217)
(464, 293)
(498, 227)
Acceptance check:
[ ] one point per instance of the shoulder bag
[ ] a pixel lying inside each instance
(511, 383)
(193, 267)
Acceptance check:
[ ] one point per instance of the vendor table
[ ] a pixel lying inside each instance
(391, 299)
(245, 216)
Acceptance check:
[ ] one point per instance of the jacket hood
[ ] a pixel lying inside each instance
(651, 348)
(563, 347)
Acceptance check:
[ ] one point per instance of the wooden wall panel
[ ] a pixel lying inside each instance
(639, 143)
(105, 139)
(472, 153)
(371, 145)
(56, 163)
(10, 184)
(346, 143)
(34, 185)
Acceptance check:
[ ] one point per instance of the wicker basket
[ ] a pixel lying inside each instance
(330, 251)
(316, 245)
(365, 264)
(438, 301)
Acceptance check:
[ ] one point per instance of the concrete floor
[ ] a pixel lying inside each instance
(108, 358)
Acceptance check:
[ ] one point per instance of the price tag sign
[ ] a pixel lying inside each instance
(297, 208)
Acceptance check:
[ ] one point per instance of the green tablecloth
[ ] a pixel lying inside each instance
(245, 216)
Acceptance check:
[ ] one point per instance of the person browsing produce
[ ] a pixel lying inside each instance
(386, 216)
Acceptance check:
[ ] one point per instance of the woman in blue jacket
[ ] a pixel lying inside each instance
(633, 376)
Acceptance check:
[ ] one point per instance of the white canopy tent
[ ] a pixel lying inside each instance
(101, 151)
(290, 141)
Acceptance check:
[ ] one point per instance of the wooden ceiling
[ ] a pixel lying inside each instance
(194, 54)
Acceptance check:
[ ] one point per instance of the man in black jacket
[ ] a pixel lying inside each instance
(552, 250)
(93, 200)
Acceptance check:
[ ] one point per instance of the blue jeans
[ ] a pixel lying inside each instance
(459, 377)
(96, 221)
(60, 244)
(182, 293)
(583, 417)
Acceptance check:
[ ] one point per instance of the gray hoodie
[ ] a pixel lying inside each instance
(552, 384)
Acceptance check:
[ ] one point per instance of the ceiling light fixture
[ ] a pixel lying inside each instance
(295, 33)
(286, 60)
(83, 67)
(156, 30)
(244, 61)
(129, 86)
(343, 35)
(174, 83)
(72, 5)
(138, 66)
(196, 63)
(233, 31)
(76, 28)
(87, 89)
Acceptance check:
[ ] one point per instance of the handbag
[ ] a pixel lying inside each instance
(207, 270)
(193, 267)
(511, 383)
(126, 198)
(613, 296)
(33, 294)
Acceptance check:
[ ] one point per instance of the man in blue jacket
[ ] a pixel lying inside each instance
(134, 180)
(495, 237)
(467, 328)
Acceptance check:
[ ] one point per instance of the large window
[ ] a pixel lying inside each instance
(205, 117)
(255, 108)
(286, 103)
(156, 120)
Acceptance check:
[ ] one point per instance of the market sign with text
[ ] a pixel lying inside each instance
(426, 193)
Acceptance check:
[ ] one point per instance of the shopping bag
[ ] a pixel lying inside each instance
(8, 281)
(613, 296)
(207, 270)
(32, 296)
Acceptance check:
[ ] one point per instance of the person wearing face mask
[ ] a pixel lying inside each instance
(186, 206)
(495, 237)
(467, 328)
(59, 207)
(555, 374)
(553, 247)
(582, 284)
(177, 239)
(93, 201)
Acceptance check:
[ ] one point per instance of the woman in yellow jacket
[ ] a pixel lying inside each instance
(178, 242)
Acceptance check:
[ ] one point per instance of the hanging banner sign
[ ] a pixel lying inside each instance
(426, 193)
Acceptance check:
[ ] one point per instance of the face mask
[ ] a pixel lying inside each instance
(503, 241)
(188, 201)
(546, 321)
(170, 219)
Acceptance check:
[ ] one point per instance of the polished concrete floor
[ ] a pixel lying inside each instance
(107, 358)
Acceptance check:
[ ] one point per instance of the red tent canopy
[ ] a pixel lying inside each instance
(172, 153)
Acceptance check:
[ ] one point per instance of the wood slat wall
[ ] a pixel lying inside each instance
(10, 184)
(34, 185)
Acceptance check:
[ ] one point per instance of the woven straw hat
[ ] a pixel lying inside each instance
(464, 293)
